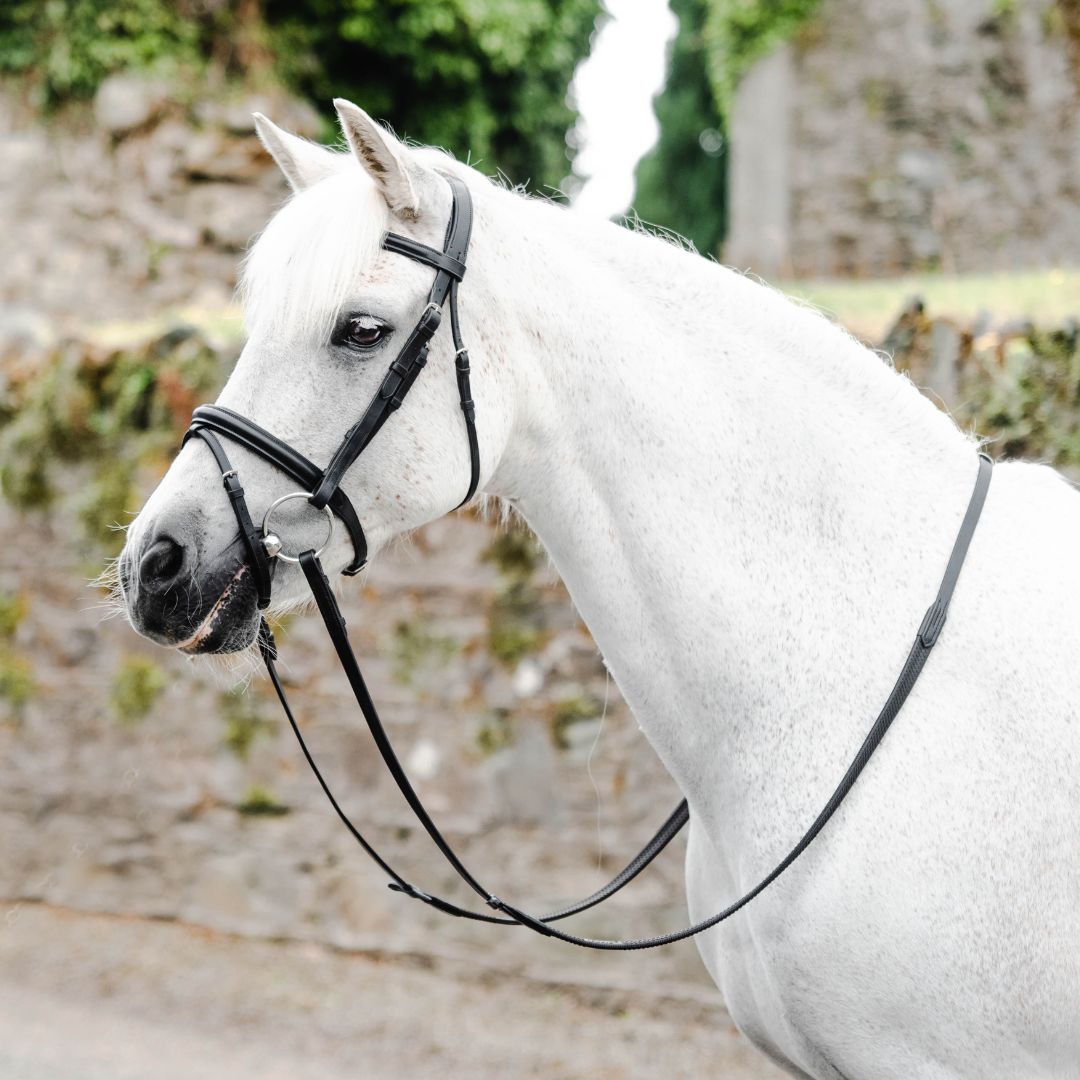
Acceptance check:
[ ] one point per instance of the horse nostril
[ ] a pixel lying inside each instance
(161, 563)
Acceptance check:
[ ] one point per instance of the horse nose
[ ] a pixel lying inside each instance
(161, 564)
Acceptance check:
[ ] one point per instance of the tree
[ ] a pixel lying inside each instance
(487, 77)
(483, 77)
(682, 182)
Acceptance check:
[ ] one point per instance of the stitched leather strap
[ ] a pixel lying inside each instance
(388, 398)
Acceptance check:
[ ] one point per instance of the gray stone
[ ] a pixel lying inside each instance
(900, 136)
(125, 102)
(226, 216)
(523, 779)
(213, 155)
(23, 330)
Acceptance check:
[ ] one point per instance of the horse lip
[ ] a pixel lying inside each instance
(206, 627)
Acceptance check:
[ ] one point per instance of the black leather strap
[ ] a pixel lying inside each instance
(449, 265)
(437, 260)
(925, 640)
(261, 567)
(388, 398)
(468, 406)
(269, 447)
(333, 618)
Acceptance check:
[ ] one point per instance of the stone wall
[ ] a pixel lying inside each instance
(139, 203)
(909, 135)
(202, 809)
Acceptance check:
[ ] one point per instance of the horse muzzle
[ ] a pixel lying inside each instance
(175, 598)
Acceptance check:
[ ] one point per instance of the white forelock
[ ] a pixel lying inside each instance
(311, 255)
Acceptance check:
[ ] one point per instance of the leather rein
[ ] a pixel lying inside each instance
(322, 489)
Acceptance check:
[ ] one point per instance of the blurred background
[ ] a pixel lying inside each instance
(175, 896)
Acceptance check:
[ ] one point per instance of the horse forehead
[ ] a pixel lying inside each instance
(311, 253)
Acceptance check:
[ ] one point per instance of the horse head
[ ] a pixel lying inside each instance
(327, 310)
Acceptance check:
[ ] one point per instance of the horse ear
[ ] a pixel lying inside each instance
(386, 158)
(303, 163)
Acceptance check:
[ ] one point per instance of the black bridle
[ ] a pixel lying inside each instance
(322, 489)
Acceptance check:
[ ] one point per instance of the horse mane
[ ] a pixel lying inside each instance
(300, 270)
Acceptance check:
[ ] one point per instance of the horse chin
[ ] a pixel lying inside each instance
(232, 623)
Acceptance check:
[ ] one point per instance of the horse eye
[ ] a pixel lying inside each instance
(361, 332)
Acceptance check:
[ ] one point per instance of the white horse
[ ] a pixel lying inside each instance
(751, 512)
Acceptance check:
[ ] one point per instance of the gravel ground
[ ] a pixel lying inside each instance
(92, 997)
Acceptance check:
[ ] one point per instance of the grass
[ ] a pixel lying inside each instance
(221, 326)
(868, 308)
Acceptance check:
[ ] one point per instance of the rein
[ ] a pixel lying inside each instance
(322, 489)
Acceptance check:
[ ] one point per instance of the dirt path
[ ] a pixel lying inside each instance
(87, 997)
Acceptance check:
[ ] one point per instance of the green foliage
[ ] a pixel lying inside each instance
(487, 77)
(243, 721)
(515, 552)
(135, 688)
(13, 609)
(260, 801)
(495, 733)
(418, 652)
(16, 678)
(739, 32)
(1024, 394)
(109, 500)
(1018, 387)
(109, 410)
(69, 46)
(16, 671)
(515, 618)
(682, 182)
(515, 623)
(576, 709)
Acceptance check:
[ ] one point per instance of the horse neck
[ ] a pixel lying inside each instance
(751, 510)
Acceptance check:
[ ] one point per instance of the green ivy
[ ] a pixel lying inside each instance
(1019, 388)
(260, 801)
(567, 712)
(740, 32)
(516, 624)
(16, 678)
(418, 652)
(69, 46)
(107, 410)
(244, 722)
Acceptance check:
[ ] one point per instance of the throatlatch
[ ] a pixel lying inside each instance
(322, 489)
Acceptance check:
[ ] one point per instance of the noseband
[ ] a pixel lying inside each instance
(322, 489)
